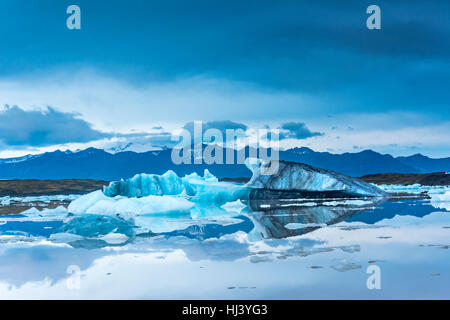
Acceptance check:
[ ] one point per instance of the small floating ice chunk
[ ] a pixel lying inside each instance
(59, 212)
(32, 212)
(5, 201)
(8, 200)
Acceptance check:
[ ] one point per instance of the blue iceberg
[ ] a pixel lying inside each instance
(206, 189)
(151, 194)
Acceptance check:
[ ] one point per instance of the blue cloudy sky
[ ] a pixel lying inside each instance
(137, 70)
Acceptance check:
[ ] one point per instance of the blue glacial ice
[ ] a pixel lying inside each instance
(142, 185)
(152, 194)
(195, 187)
(98, 203)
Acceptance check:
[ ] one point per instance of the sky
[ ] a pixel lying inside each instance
(137, 71)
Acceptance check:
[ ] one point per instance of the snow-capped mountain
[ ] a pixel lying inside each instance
(133, 147)
(106, 165)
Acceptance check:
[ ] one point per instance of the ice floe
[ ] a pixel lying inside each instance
(8, 200)
(412, 188)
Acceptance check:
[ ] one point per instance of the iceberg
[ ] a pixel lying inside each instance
(98, 203)
(206, 189)
(151, 194)
(301, 180)
(142, 185)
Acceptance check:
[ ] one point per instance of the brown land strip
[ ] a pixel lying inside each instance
(24, 188)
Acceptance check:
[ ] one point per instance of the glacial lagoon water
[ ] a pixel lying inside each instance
(279, 250)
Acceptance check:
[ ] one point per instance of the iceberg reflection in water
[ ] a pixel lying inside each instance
(270, 249)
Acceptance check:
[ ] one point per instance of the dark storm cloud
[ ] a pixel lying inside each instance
(296, 130)
(322, 48)
(38, 128)
(215, 36)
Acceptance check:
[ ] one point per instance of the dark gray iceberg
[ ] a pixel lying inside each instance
(298, 180)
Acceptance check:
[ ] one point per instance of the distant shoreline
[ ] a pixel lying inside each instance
(424, 179)
(27, 188)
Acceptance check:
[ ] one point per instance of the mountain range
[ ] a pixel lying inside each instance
(98, 164)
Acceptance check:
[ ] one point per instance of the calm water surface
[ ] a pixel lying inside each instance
(284, 250)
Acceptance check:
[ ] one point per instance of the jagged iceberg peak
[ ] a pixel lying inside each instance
(293, 176)
(169, 183)
(206, 189)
